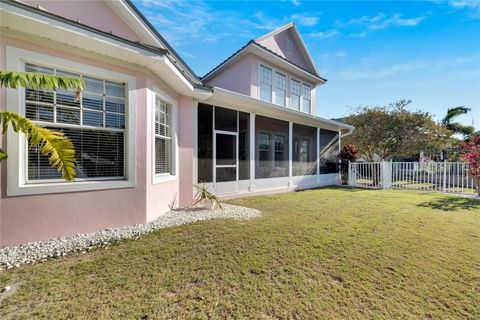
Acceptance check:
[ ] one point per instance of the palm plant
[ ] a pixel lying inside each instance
(51, 143)
(457, 127)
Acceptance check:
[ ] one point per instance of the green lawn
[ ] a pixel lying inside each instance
(326, 253)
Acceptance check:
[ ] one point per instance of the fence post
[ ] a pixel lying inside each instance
(444, 189)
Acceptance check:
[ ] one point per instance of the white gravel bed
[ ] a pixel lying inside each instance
(41, 251)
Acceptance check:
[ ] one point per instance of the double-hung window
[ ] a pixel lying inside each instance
(95, 123)
(266, 75)
(279, 150)
(280, 89)
(264, 149)
(306, 98)
(295, 94)
(163, 137)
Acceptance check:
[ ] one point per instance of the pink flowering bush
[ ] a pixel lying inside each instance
(471, 155)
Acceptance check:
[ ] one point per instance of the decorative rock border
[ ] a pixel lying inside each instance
(41, 251)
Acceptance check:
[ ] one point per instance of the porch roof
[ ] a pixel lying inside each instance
(229, 99)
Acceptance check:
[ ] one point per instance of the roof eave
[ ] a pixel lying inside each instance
(223, 97)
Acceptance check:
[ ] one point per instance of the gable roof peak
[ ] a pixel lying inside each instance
(298, 39)
(277, 31)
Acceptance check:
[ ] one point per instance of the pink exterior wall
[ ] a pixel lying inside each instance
(278, 44)
(185, 150)
(242, 77)
(237, 77)
(40, 217)
(94, 13)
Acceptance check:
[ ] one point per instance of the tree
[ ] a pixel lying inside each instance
(51, 143)
(456, 127)
(471, 155)
(393, 131)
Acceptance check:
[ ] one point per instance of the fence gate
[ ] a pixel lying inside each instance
(450, 177)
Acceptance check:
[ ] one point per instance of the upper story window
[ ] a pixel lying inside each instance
(306, 98)
(95, 124)
(280, 89)
(265, 83)
(295, 94)
(163, 137)
(273, 89)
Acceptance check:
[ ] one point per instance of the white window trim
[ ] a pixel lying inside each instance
(299, 96)
(164, 177)
(16, 143)
(289, 78)
(302, 83)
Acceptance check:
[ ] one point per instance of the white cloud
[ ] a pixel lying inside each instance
(381, 21)
(305, 20)
(341, 54)
(324, 34)
(296, 3)
(472, 5)
(369, 70)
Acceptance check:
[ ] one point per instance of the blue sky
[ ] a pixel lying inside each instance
(371, 52)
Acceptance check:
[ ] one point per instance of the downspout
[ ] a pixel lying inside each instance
(350, 131)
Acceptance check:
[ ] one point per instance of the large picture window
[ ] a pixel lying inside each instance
(95, 123)
(163, 137)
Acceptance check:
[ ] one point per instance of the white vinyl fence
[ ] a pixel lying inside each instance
(450, 177)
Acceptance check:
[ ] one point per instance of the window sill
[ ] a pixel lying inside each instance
(68, 187)
(162, 178)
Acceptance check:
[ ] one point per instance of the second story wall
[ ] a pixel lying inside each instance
(284, 44)
(94, 13)
(243, 76)
(237, 77)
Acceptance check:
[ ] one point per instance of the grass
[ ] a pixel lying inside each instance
(326, 253)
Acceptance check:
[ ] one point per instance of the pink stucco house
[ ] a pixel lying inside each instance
(147, 129)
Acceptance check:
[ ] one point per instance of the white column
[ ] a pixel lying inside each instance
(338, 162)
(318, 155)
(318, 151)
(290, 152)
(195, 144)
(251, 187)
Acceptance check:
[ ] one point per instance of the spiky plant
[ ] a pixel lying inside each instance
(51, 143)
(204, 194)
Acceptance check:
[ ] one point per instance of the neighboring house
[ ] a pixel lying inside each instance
(146, 129)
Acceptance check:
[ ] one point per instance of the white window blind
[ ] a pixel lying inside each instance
(280, 89)
(95, 124)
(163, 137)
(265, 84)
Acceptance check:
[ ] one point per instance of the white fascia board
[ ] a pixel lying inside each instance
(227, 98)
(18, 19)
(284, 64)
(276, 31)
(137, 25)
(30, 23)
(262, 53)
